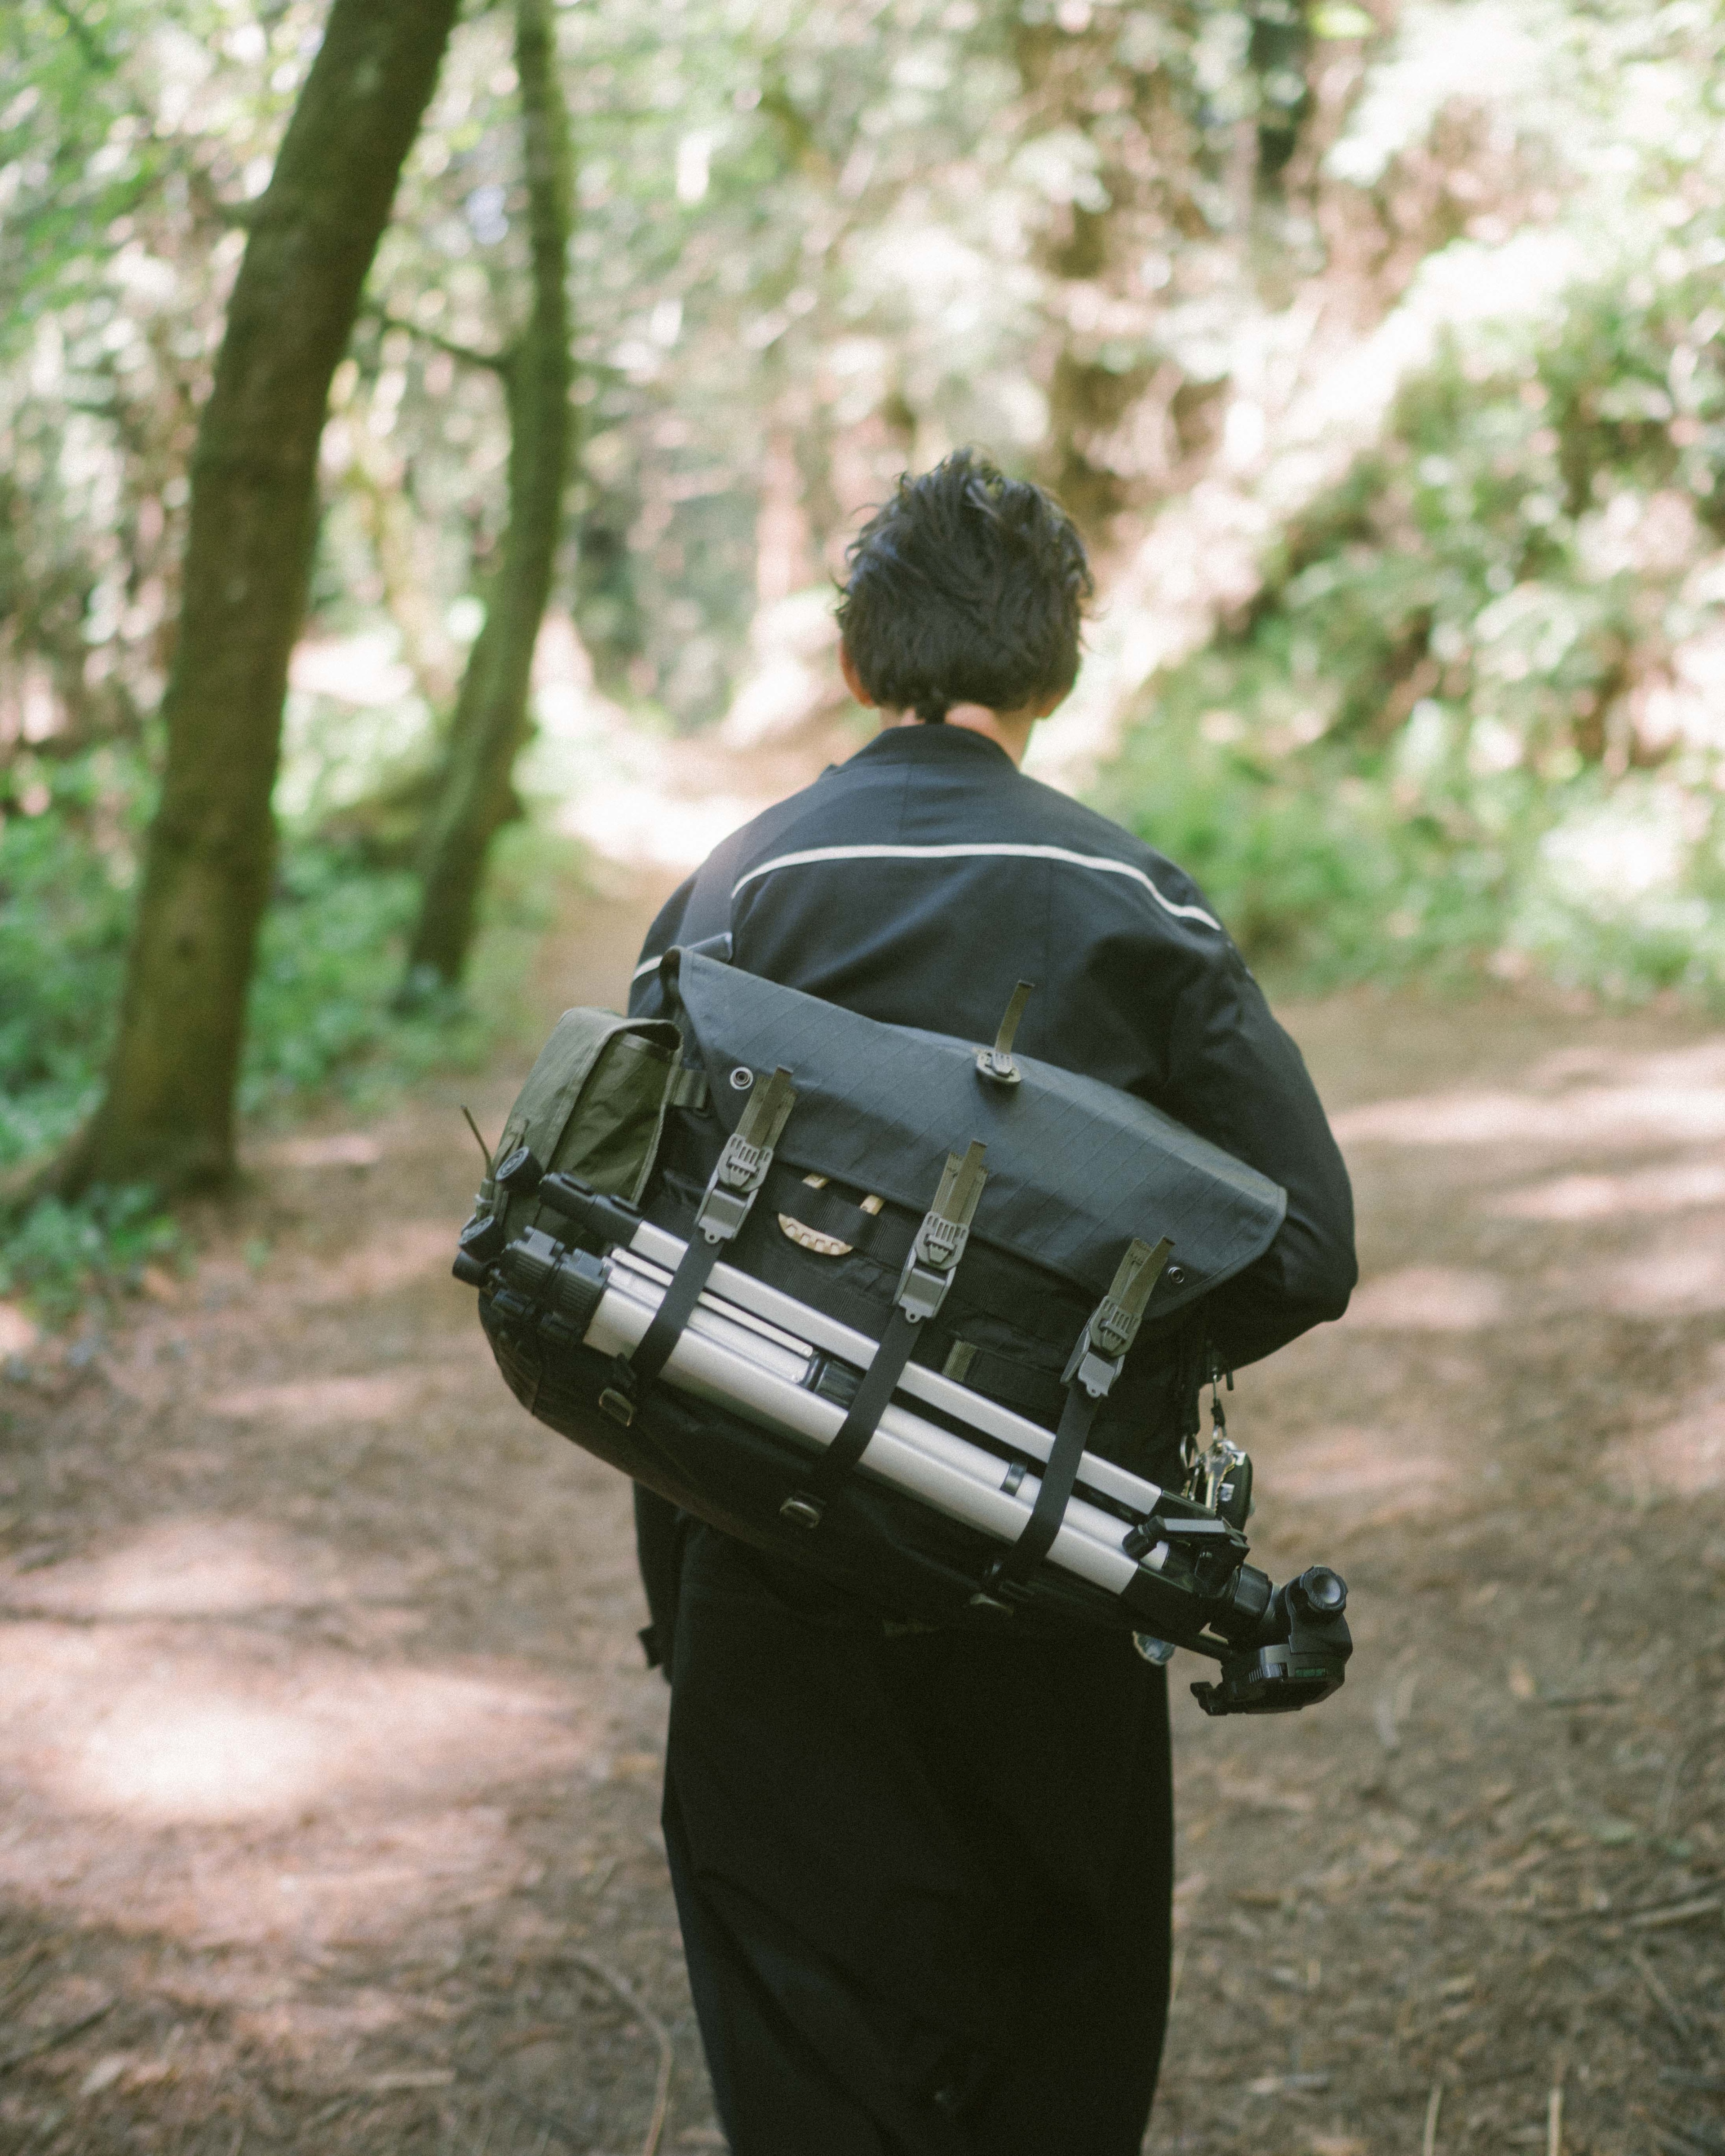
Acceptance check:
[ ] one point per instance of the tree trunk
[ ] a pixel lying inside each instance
(492, 710)
(167, 1114)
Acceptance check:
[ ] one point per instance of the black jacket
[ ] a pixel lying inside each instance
(918, 882)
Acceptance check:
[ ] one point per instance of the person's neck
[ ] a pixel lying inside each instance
(1008, 730)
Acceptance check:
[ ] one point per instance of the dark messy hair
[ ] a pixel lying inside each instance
(968, 588)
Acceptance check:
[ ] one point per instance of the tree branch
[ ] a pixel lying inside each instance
(494, 363)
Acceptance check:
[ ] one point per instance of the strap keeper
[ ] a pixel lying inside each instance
(995, 1064)
(688, 1088)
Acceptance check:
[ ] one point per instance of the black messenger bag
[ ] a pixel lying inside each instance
(882, 1301)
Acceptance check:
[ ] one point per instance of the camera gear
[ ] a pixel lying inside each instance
(899, 1417)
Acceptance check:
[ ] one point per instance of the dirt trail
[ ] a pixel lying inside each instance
(331, 1765)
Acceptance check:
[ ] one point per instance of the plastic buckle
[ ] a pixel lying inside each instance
(722, 1213)
(940, 1241)
(1094, 1370)
(921, 1292)
(741, 1166)
(1113, 1327)
(744, 1162)
(802, 1510)
(941, 1237)
(725, 1204)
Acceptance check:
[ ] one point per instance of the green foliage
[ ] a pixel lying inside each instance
(59, 1256)
(1472, 714)
(320, 1018)
(329, 955)
(329, 959)
(65, 907)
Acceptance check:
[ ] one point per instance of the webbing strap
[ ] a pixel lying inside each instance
(695, 1269)
(1037, 1394)
(1060, 1477)
(1096, 1363)
(995, 1064)
(863, 1418)
(688, 1088)
(921, 1289)
(731, 1190)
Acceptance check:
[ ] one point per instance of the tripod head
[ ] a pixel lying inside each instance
(1299, 1656)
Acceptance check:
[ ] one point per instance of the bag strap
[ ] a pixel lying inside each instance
(688, 1088)
(731, 1190)
(923, 1285)
(1021, 1386)
(995, 1064)
(1096, 1363)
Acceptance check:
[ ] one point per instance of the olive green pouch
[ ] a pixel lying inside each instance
(594, 1105)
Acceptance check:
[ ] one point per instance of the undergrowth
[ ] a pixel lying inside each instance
(1471, 720)
(320, 1024)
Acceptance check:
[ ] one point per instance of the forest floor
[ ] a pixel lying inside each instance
(331, 1767)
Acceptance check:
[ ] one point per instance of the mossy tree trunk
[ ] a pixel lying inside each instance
(166, 1116)
(490, 720)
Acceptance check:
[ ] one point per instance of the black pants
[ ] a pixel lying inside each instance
(924, 1877)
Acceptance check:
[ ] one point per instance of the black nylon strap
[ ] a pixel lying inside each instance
(934, 1255)
(1021, 1386)
(863, 1416)
(695, 1269)
(744, 1164)
(1096, 1363)
(1059, 1478)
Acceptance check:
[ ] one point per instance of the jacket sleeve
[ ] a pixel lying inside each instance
(646, 998)
(700, 907)
(1235, 1077)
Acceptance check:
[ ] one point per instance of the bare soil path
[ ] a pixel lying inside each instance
(330, 1768)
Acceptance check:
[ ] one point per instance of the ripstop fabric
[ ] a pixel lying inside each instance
(1075, 1168)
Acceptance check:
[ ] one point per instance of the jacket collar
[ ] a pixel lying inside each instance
(923, 743)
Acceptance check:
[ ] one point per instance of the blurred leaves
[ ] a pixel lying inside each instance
(1461, 712)
(1472, 713)
(59, 1256)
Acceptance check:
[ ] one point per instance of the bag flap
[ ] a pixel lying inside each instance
(1076, 1168)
